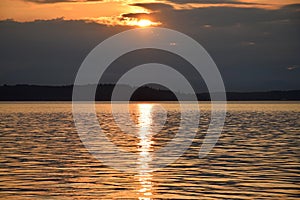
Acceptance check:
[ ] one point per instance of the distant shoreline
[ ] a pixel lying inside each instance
(144, 94)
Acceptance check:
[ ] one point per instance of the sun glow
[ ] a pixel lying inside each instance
(144, 23)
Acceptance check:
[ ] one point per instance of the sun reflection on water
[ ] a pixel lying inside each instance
(144, 148)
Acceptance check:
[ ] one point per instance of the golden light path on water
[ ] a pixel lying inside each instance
(257, 157)
(144, 148)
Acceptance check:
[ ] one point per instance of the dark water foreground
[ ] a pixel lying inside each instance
(257, 156)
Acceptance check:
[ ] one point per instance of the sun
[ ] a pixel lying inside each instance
(144, 23)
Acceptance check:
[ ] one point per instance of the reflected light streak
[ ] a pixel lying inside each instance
(144, 148)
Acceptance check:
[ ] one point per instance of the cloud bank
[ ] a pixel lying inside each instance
(253, 48)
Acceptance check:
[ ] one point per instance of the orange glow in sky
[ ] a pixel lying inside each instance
(106, 11)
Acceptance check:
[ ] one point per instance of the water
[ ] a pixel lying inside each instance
(257, 156)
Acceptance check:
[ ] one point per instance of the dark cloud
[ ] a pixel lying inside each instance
(57, 1)
(136, 15)
(153, 6)
(47, 51)
(292, 7)
(253, 48)
(211, 2)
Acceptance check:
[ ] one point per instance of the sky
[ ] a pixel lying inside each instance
(255, 43)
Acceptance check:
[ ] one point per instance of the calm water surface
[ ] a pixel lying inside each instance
(257, 156)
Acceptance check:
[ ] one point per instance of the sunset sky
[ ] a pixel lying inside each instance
(44, 41)
(112, 11)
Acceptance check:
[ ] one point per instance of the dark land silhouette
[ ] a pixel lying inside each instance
(145, 93)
